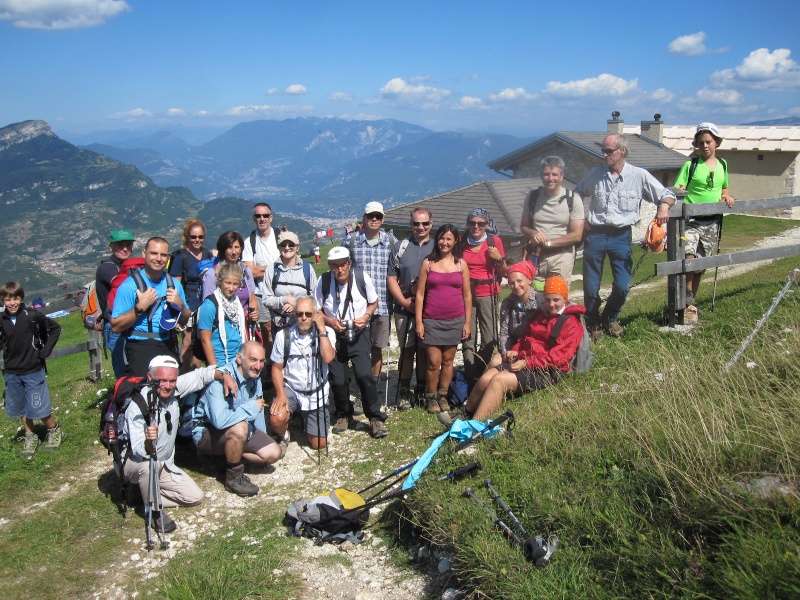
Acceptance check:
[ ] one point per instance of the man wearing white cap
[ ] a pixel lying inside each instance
(371, 250)
(158, 438)
(348, 299)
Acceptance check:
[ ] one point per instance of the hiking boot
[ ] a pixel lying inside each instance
(614, 329)
(403, 399)
(284, 443)
(432, 402)
(32, 442)
(341, 425)
(239, 483)
(55, 437)
(377, 429)
(444, 403)
(169, 523)
(691, 315)
(596, 332)
(358, 408)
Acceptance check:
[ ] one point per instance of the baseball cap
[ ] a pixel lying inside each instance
(710, 128)
(169, 316)
(373, 207)
(120, 235)
(163, 361)
(338, 253)
(288, 236)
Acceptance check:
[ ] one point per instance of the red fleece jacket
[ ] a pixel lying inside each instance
(534, 346)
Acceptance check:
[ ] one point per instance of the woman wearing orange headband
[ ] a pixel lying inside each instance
(533, 363)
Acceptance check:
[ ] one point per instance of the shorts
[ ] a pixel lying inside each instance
(559, 262)
(701, 236)
(379, 331)
(401, 321)
(530, 380)
(315, 422)
(27, 396)
(212, 441)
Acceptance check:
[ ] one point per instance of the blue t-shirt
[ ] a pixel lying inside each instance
(193, 283)
(205, 322)
(126, 299)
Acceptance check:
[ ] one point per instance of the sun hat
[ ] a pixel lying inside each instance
(169, 316)
(373, 207)
(338, 253)
(120, 235)
(525, 267)
(710, 128)
(555, 284)
(163, 361)
(288, 236)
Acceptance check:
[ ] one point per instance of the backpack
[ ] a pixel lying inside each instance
(121, 276)
(358, 274)
(133, 270)
(205, 254)
(252, 239)
(534, 198)
(90, 307)
(197, 344)
(584, 357)
(460, 387)
(696, 161)
(306, 274)
(335, 517)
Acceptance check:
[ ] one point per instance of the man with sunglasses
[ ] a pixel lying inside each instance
(286, 280)
(401, 281)
(158, 438)
(615, 191)
(371, 250)
(261, 250)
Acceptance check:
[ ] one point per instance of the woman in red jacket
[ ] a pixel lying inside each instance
(533, 362)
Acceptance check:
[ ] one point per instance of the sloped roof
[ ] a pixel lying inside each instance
(642, 152)
(503, 199)
(763, 138)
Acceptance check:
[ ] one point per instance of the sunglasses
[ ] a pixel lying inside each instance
(301, 313)
(375, 217)
(710, 180)
(262, 215)
(420, 223)
(197, 237)
(288, 245)
(168, 419)
(480, 224)
(608, 151)
(339, 267)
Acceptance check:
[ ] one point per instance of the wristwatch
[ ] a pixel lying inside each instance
(137, 311)
(547, 243)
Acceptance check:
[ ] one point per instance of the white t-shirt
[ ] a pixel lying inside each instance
(266, 251)
(334, 305)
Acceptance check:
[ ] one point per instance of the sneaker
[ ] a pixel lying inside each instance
(284, 443)
(446, 418)
(55, 437)
(32, 442)
(239, 483)
(614, 329)
(432, 402)
(596, 332)
(358, 409)
(341, 425)
(403, 399)
(691, 315)
(169, 523)
(377, 429)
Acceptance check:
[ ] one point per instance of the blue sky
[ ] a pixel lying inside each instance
(523, 68)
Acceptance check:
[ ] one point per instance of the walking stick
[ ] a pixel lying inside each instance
(401, 361)
(386, 365)
(154, 479)
(716, 269)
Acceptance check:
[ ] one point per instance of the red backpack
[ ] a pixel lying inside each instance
(122, 275)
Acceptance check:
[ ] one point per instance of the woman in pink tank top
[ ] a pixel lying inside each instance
(443, 301)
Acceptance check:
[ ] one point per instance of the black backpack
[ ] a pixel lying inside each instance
(696, 161)
(306, 274)
(358, 274)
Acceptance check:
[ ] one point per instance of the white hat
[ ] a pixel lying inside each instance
(338, 253)
(710, 128)
(163, 361)
(373, 207)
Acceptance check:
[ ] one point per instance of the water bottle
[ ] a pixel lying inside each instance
(111, 423)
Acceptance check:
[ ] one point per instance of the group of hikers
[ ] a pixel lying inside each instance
(254, 315)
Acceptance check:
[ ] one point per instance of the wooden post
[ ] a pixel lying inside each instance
(676, 284)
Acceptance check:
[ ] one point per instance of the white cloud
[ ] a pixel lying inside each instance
(510, 95)
(267, 110)
(661, 95)
(136, 113)
(203, 113)
(339, 97)
(470, 102)
(602, 85)
(722, 97)
(794, 112)
(295, 89)
(399, 90)
(60, 14)
(761, 70)
(176, 112)
(692, 45)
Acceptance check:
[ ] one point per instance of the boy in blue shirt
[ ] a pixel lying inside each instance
(27, 338)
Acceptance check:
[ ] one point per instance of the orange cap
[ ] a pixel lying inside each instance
(557, 285)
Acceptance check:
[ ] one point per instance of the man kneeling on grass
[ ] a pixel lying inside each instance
(301, 374)
(534, 362)
(234, 426)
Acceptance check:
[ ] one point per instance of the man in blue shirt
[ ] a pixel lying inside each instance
(234, 426)
(137, 313)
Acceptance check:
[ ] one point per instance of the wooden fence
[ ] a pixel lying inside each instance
(677, 266)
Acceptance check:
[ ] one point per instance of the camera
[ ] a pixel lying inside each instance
(349, 330)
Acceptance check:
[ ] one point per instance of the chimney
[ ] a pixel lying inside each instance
(654, 130)
(615, 124)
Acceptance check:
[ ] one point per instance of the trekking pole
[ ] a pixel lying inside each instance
(386, 364)
(506, 508)
(399, 471)
(154, 481)
(716, 269)
(792, 279)
(470, 493)
(461, 471)
(534, 548)
(401, 361)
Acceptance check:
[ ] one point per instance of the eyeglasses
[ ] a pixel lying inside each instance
(480, 224)
(197, 237)
(375, 217)
(301, 313)
(338, 267)
(710, 180)
(288, 245)
(608, 151)
(262, 215)
(421, 223)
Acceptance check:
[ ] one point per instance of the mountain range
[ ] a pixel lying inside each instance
(315, 166)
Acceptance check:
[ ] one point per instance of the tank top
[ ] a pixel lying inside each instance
(444, 298)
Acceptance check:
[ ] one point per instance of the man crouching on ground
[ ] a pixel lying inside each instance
(301, 375)
(234, 426)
